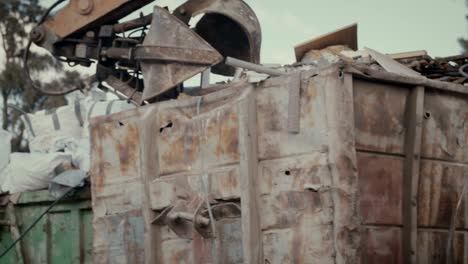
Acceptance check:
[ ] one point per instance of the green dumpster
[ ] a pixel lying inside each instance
(63, 235)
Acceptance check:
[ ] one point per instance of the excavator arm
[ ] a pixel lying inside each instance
(151, 54)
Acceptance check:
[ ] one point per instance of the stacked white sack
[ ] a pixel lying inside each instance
(31, 171)
(67, 128)
(49, 127)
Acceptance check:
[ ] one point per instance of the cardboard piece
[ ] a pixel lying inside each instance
(344, 36)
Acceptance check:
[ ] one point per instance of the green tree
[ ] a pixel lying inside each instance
(463, 41)
(17, 17)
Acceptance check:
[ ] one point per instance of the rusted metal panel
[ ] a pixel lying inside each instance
(274, 141)
(302, 244)
(119, 238)
(230, 248)
(440, 186)
(307, 172)
(380, 113)
(195, 249)
(294, 191)
(432, 245)
(380, 188)
(289, 209)
(445, 127)
(381, 128)
(381, 245)
(198, 157)
(180, 137)
(223, 185)
(115, 154)
(116, 189)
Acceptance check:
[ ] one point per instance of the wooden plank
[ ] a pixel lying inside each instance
(391, 65)
(411, 169)
(408, 55)
(344, 36)
(251, 230)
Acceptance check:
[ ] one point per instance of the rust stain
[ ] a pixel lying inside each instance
(379, 116)
(180, 146)
(289, 208)
(432, 244)
(127, 148)
(225, 184)
(347, 167)
(114, 151)
(381, 245)
(201, 249)
(98, 178)
(232, 181)
(274, 120)
(97, 151)
(181, 256)
(380, 187)
(445, 127)
(380, 111)
(309, 94)
(297, 246)
(439, 190)
(228, 131)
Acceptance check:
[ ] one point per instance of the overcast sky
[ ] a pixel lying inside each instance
(388, 26)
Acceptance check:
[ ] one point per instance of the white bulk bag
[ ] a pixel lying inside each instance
(107, 107)
(79, 149)
(45, 128)
(32, 171)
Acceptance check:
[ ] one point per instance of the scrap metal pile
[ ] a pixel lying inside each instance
(447, 69)
(341, 45)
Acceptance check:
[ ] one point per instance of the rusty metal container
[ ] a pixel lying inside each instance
(372, 176)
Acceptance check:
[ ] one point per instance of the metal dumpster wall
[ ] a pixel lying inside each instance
(411, 145)
(372, 176)
(296, 191)
(64, 235)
